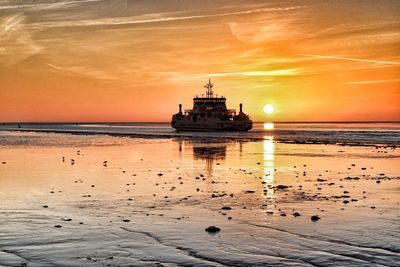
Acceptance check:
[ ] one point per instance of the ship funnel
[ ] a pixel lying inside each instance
(241, 107)
(180, 108)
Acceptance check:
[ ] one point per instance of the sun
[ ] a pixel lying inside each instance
(268, 109)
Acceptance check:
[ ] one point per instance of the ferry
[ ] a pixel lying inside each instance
(209, 113)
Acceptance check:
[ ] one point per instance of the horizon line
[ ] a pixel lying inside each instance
(165, 122)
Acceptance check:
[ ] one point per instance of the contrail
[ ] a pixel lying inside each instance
(355, 59)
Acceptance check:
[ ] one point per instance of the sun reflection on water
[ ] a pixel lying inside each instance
(268, 125)
(268, 177)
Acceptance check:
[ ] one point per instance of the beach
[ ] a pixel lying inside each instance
(144, 197)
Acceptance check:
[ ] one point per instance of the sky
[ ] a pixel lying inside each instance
(136, 60)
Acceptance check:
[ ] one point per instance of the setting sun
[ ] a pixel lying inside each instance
(268, 109)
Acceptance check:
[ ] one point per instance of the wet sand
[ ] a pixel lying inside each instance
(75, 200)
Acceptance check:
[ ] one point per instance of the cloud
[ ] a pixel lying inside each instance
(374, 81)
(269, 73)
(379, 62)
(153, 18)
(16, 43)
(44, 5)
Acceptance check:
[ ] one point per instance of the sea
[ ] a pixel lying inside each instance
(370, 133)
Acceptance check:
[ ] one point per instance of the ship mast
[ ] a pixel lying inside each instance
(209, 86)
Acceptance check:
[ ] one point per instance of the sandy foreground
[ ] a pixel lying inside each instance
(68, 200)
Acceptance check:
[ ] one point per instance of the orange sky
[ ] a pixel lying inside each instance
(94, 60)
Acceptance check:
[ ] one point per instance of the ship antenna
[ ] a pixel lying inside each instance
(209, 87)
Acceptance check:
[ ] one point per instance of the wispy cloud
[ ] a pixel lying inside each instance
(16, 43)
(269, 73)
(155, 18)
(59, 4)
(373, 81)
(354, 59)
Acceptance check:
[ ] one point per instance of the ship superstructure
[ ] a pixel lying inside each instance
(209, 113)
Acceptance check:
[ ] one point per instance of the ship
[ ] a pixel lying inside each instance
(209, 113)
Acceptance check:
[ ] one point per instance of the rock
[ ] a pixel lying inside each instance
(321, 180)
(345, 201)
(45, 206)
(126, 220)
(160, 174)
(282, 186)
(315, 218)
(226, 208)
(57, 226)
(249, 192)
(296, 214)
(212, 229)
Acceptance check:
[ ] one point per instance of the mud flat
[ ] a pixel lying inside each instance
(73, 200)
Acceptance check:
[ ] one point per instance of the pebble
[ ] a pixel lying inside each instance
(315, 218)
(213, 229)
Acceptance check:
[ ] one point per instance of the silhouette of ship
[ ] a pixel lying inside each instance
(209, 113)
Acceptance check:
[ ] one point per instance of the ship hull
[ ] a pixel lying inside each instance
(231, 126)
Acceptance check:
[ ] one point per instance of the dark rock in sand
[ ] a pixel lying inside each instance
(345, 201)
(321, 180)
(45, 206)
(281, 187)
(315, 218)
(249, 192)
(126, 220)
(57, 226)
(378, 182)
(296, 214)
(212, 229)
(226, 208)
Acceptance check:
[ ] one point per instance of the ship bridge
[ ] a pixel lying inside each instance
(209, 102)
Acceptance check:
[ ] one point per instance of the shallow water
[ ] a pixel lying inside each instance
(322, 133)
(153, 198)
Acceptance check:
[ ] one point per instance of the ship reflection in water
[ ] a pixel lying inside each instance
(209, 153)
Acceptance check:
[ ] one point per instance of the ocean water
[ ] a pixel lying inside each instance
(141, 198)
(322, 133)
